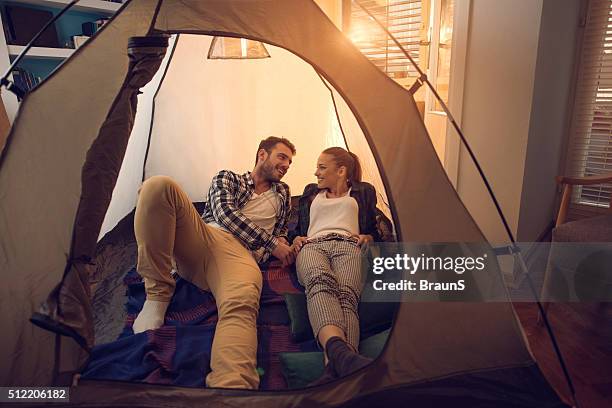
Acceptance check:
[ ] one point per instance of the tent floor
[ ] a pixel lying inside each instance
(518, 387)
(584, 334)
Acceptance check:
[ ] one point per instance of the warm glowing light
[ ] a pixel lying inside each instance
(364, 32)
(236, 48)
(243, 47)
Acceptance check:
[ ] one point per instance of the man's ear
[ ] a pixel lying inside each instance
(262, 155)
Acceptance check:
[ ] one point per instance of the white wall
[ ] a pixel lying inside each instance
(517, 76)
(549, 115)
(499, 77)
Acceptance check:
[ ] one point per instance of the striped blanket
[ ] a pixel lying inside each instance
(179, 352)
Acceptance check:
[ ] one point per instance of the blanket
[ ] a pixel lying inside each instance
(179, 352)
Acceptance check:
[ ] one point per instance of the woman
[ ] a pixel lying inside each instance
(337, 219)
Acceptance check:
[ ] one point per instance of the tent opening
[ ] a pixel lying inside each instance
(196, 117)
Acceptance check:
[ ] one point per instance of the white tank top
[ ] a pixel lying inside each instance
(333, 215)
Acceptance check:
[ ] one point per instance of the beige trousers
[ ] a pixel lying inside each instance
(168, 226)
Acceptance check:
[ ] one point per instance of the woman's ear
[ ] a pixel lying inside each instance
(342, 171)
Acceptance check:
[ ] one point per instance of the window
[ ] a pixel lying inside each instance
(403, 18)
(443, 26)
(590, 149)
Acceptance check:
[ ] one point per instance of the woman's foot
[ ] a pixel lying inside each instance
(329, 374)
(343, 358)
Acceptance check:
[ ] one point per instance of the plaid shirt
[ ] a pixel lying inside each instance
(228, 194)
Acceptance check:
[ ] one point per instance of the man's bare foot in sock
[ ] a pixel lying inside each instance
(151, 316)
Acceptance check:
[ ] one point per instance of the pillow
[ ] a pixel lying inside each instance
(298, 314)
(373, 345)
(384, 227)
(302, 368)
(374, 317)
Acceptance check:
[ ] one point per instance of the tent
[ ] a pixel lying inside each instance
(71, 170)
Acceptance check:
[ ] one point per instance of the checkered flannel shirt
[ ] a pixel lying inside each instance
(228, 194)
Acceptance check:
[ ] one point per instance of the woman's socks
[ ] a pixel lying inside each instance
(151, 316)
(329, 374)
(343, 358)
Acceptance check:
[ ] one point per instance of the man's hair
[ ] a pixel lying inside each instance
(268, 144)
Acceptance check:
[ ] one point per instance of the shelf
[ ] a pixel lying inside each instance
(41, 52)
(88, 6)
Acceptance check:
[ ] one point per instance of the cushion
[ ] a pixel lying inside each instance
(384, 226)
(595, 229)
(298, 314)
(300, 368)
(374, 317)
(373, 345)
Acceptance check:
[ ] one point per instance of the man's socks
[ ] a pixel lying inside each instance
(151, 316)
(344, 359)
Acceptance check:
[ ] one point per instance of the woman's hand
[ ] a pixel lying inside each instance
(298, 243)
(363, 240)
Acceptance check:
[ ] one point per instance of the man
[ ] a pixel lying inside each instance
(244, 222)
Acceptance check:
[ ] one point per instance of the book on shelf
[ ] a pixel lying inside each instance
(89, 28)
(24, 79)
(78, 40)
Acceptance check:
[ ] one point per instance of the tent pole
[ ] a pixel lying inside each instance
(331, 92)
(423, 79)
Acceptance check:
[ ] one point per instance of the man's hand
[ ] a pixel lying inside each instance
(283, 240)
(284, 253)
(298, 243)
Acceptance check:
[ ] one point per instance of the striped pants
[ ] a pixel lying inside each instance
(330, 270)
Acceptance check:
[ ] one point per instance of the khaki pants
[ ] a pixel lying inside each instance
(167, 225)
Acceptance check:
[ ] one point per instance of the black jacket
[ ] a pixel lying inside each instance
(365, 195)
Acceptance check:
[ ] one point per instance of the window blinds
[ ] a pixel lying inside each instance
(591, 138)
(403, 18)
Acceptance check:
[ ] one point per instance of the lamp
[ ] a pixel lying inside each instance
(236, 48)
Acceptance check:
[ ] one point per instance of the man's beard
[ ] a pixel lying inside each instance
(268, 172)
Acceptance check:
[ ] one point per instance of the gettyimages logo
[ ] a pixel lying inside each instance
(412, 264)
(438, 270)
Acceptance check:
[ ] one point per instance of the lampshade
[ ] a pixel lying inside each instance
(236, 48)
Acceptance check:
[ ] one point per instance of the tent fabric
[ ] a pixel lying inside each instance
(507, 387)
(41, 187)
(69, 305)
(105, 156)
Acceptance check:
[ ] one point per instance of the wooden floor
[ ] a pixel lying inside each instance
(584, 335)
